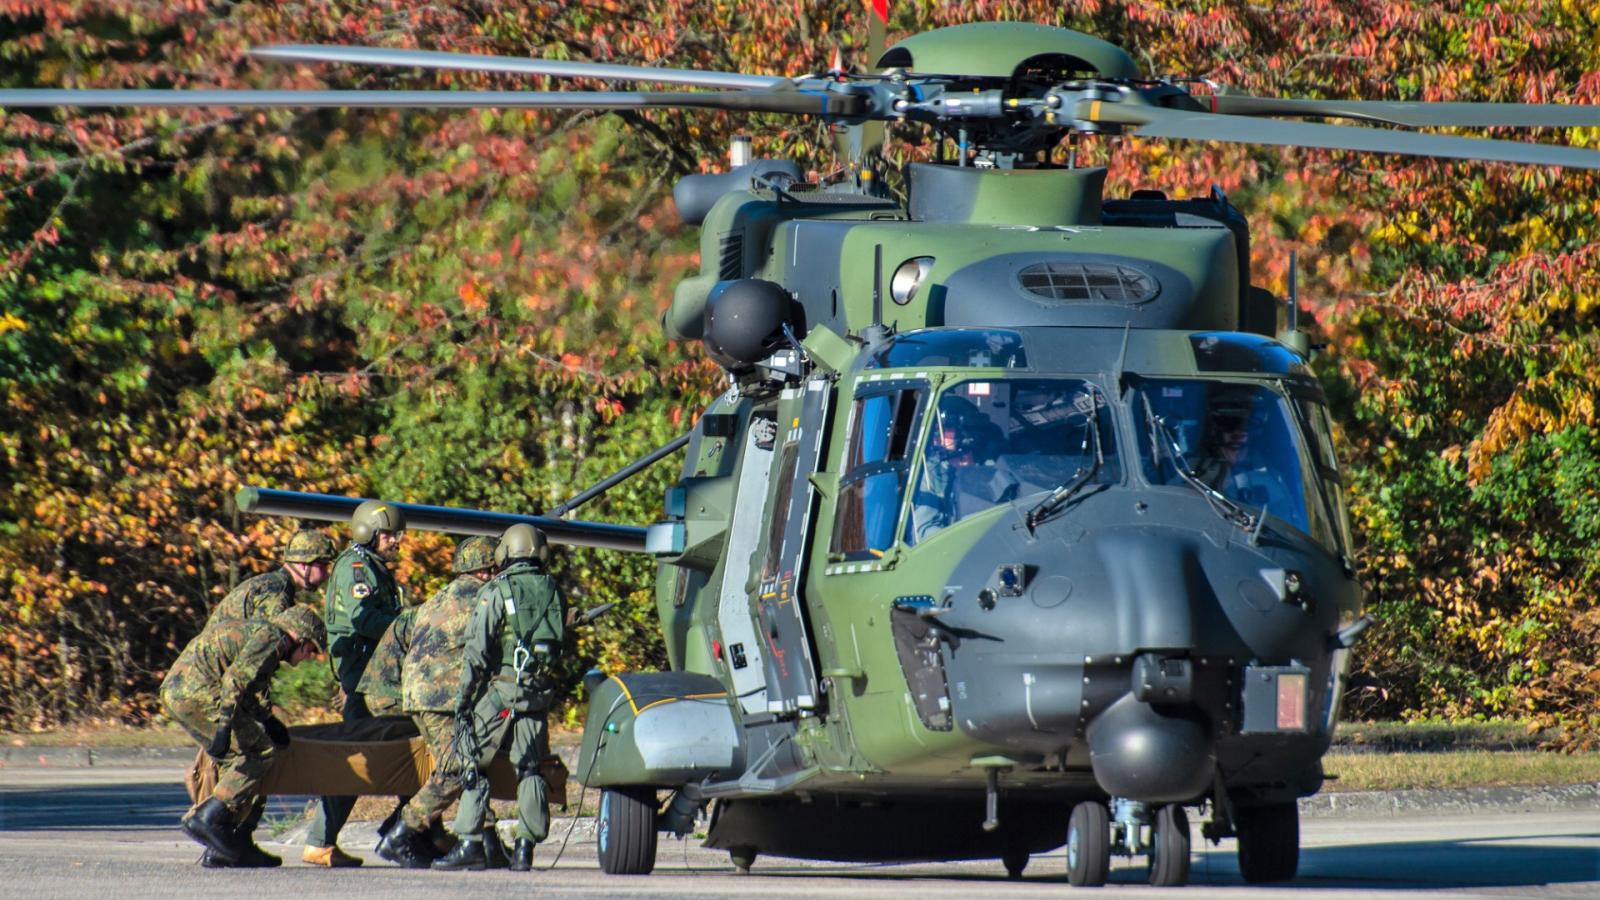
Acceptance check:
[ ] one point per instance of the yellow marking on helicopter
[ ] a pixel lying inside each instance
(637, 709)
(1094, 110)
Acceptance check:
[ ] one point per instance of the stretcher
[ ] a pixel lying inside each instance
(384, 756)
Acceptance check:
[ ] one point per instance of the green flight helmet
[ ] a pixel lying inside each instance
(521, 541)
(474, 554)
(303, 625)
(373, 516)
(309, 546)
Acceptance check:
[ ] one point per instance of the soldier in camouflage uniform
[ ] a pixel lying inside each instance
(361, 600)
(507, 686)
(216, 691)
(305, 566)
(380, 684)
(430, 675)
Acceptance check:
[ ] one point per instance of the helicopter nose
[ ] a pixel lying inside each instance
(1115, 641)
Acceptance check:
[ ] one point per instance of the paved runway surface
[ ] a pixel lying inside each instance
(111, 832)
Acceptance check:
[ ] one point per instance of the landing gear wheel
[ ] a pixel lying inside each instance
(742, 858)
(1269, 842)
(1015, 861)
(1169, 847)
(625, 830)
(1088, 845)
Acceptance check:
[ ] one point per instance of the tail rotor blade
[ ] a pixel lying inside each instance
(472, 62)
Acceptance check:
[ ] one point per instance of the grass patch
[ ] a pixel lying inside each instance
(1439, 736)
(1367, 771)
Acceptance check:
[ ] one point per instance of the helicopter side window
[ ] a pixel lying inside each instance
(1240, 440)
(971, 347)
(883, 425)
(1320, 425)
(995, 441)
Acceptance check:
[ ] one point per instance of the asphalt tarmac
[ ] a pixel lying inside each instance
(111, 832)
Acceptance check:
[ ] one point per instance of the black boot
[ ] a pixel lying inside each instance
(467, 855)
(208, 860)
(494, 852)
(252, 856)
(213, 827)
(440, 840)
(406, 847)
(522, 855)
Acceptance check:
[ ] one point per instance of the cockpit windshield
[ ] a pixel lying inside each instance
(995, 441)
(1240, 440)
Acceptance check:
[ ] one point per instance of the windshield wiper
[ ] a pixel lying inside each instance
(1227, 509)
(1069, 488)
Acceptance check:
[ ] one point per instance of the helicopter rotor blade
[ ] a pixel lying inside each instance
(785, 101)
(1153, 121)
(473, 62)
(1415, 114)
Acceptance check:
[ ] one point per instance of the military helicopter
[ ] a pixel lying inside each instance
(1020, 514)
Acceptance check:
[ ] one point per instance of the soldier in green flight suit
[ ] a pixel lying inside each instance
(507, 686)
(361, 600)
(429, 676)
(305, 567)
(218, 691)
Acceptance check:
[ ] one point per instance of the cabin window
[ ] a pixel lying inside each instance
(1238, 439)
(882, 433)
(995, 441)
(1088, 282)
(779, 516)
(966, 347)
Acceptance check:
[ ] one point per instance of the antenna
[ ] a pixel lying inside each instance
(1294, 293)
(877, 285)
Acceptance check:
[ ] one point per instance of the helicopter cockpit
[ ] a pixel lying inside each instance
(925, 456)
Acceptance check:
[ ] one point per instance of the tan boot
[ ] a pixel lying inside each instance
(329, 857)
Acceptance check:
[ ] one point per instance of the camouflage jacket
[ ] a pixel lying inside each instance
(520, 608)
(432, 668)
(261, 597)
(231, 663)
(381, 681)
(361, 601)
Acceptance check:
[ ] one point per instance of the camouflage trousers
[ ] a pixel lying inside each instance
(444, 785)
(250, 753)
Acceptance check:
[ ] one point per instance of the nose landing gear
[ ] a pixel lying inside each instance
(1092, 836)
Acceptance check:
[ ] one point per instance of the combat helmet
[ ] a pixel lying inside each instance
(373, 516)
(521, 541)
(303, 625)
(309, 546)
(474, 554)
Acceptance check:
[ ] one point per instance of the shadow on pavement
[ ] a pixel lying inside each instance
(133, 805)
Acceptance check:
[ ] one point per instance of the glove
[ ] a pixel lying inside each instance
(276, 731)
(218, 748)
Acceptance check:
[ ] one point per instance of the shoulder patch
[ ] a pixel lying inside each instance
(357, 564)
(361, 590)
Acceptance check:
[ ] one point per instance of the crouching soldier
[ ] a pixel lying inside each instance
(305, 567)
(429, 676)
(218, 692)
(507, 685)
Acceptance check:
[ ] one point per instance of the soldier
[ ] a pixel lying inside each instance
(507, 685)
(361, 600)
(215, 691)
(305, 566)
(429, 676)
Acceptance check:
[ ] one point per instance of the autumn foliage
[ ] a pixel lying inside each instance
(461, 308)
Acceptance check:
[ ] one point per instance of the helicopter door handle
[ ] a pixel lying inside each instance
(851, 674)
